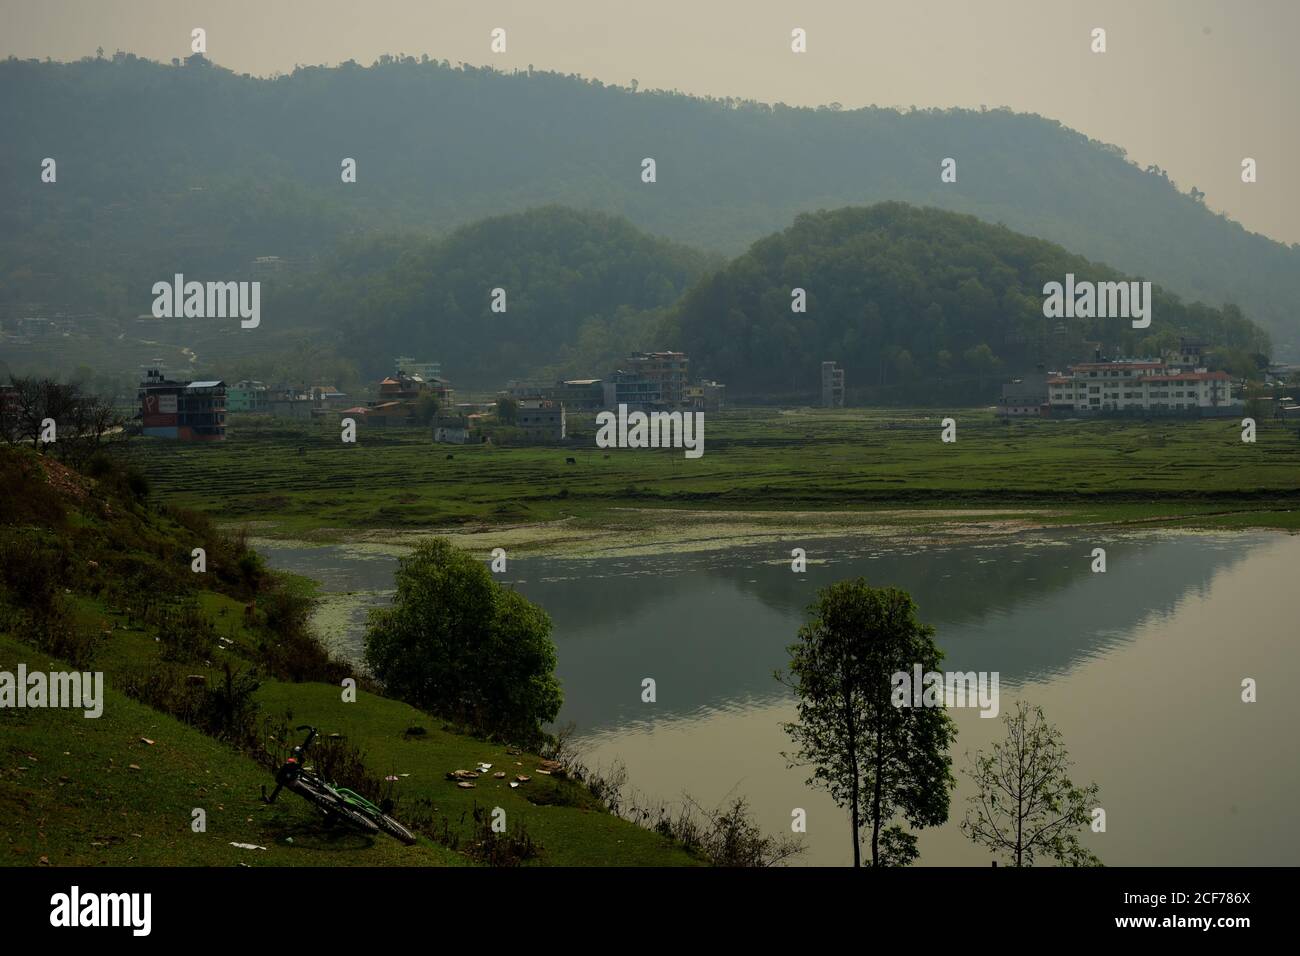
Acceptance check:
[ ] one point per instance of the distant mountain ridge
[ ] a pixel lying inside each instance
(195, 169)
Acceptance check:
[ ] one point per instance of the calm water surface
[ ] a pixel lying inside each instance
(1140, 668)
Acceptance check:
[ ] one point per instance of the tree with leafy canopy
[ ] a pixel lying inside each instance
(881, 760)
(507, 409)
(458, 644)
(1026, 804)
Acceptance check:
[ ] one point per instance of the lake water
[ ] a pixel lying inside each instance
(1139, 667)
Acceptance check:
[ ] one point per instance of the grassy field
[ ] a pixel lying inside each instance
(303, 479)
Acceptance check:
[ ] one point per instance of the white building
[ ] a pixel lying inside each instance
(1139, 385)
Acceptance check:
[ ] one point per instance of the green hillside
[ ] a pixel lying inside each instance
(206, 676)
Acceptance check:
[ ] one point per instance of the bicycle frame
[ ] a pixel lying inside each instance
(312, 787)
(355, 799)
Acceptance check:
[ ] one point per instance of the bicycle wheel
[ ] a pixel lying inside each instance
(394, 829)
(332, 806)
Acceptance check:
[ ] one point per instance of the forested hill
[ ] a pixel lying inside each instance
(920, 305)
(191, 168)
(578, 290)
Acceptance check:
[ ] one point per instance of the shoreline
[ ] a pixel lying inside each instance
(637, 532)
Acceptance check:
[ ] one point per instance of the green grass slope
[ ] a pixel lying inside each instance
(95, 791)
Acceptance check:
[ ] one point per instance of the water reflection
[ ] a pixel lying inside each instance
(1140, 666)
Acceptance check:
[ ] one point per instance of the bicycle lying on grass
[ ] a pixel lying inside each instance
(337, 803)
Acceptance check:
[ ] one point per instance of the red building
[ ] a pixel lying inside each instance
(186, 411)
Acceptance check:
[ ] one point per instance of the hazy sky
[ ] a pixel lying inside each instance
(1191, 85)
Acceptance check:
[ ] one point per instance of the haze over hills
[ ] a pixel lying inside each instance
(192, 168)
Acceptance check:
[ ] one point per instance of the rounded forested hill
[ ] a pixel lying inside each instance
(916, 304)
(580, 288)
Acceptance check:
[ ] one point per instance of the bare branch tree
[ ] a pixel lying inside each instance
(1026, 804)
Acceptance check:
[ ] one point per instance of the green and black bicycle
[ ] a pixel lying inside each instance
(336, 803)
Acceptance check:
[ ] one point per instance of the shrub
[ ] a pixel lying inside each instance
(229, 711)
(289, 650)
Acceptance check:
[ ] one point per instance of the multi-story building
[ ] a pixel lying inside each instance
(633, 390)
(648, 381)
(649, 378)
(541, 419)
(188, 411)
(1140, 385)
(248, 397)
(429, 371)
(832, 386)
(669, 371)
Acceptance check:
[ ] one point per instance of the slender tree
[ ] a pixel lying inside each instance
(879, 760)
(1026, 804)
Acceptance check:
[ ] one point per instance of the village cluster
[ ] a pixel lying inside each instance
(416, 395)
